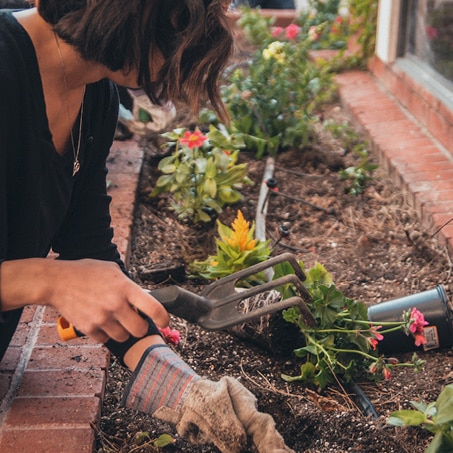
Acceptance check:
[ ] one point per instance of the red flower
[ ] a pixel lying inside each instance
(373, 368)
(387, 373)
(170, 335)
(193, 139)
(291, 31)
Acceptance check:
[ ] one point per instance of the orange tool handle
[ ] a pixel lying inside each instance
(66, 330)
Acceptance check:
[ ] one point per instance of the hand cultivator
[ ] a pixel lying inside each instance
(218, 306)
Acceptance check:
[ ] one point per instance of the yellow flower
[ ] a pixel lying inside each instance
(241, 234)
(275, 50)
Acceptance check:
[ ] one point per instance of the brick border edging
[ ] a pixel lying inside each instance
(413, 158)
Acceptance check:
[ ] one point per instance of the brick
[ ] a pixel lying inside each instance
(50, 314)
(124, 248)
(64, 439)
(27, 314)
(419, 157)
(428, 175)
(68, 357)
(11, 358)
(5, 382)
(414, 167)
(432, 197)
(124, 191)
(41, 411)
(20, 335)
(122, 214)
(63, 383)
(125, 162)
(440, 207)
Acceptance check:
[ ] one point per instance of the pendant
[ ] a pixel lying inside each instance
(75, 167)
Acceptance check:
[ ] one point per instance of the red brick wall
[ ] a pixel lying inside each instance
(422, 104)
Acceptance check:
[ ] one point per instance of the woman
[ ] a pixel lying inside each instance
(60, 64)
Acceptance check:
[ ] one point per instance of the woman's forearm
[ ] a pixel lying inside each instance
(95, 296)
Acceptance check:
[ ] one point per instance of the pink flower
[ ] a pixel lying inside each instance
(170, 335)
(193, 139)
(373, 368)
(375, 336)
(417, 322)
(313, 34)
(373, 343)
(419, 339)
(291, 31)
(375, 333)
(276, 31)
(431, 32)
(386, 373)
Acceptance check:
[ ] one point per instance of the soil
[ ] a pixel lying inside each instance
(375, 249)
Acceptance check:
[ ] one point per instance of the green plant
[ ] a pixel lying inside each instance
(326, 23)
(272, 98)
(143, 439)
(343, 343)
(363, 25)
(201, 173)
(356, 176)
(236, 250)
(436, 417)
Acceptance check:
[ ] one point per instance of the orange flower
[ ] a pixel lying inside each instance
(193, 139)
(241, 234)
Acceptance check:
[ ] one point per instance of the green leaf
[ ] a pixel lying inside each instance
(407, 417)
(166, 162)
(164, 180)
(307, 373)
(211, 168)
(444, 405)
(210, 187)
(164, 440)
(202, 216)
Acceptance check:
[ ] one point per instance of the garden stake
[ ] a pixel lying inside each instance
(217, 307)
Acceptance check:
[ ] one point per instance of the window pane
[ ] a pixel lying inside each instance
(431, 34)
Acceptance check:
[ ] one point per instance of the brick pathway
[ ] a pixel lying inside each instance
(51, 393)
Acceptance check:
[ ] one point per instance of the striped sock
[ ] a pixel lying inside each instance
(161, 379)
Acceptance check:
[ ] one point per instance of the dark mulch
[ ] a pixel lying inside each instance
(376, 250)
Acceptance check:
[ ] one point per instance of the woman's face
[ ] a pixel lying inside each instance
(129, 77)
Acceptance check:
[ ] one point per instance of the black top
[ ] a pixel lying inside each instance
(42, 206)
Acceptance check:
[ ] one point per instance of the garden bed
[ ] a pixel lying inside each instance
(375, 249)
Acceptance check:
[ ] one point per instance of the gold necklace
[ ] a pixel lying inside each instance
(75, 151)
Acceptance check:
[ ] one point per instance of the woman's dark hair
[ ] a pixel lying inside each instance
(194, 37)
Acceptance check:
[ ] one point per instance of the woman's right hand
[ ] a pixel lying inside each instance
(95, 296)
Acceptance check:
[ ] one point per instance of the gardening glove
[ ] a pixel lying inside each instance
(223, 413)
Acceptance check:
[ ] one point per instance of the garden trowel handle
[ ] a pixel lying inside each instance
(176, 300)
(66, 331)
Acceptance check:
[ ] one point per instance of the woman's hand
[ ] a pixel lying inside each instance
(95, 296)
